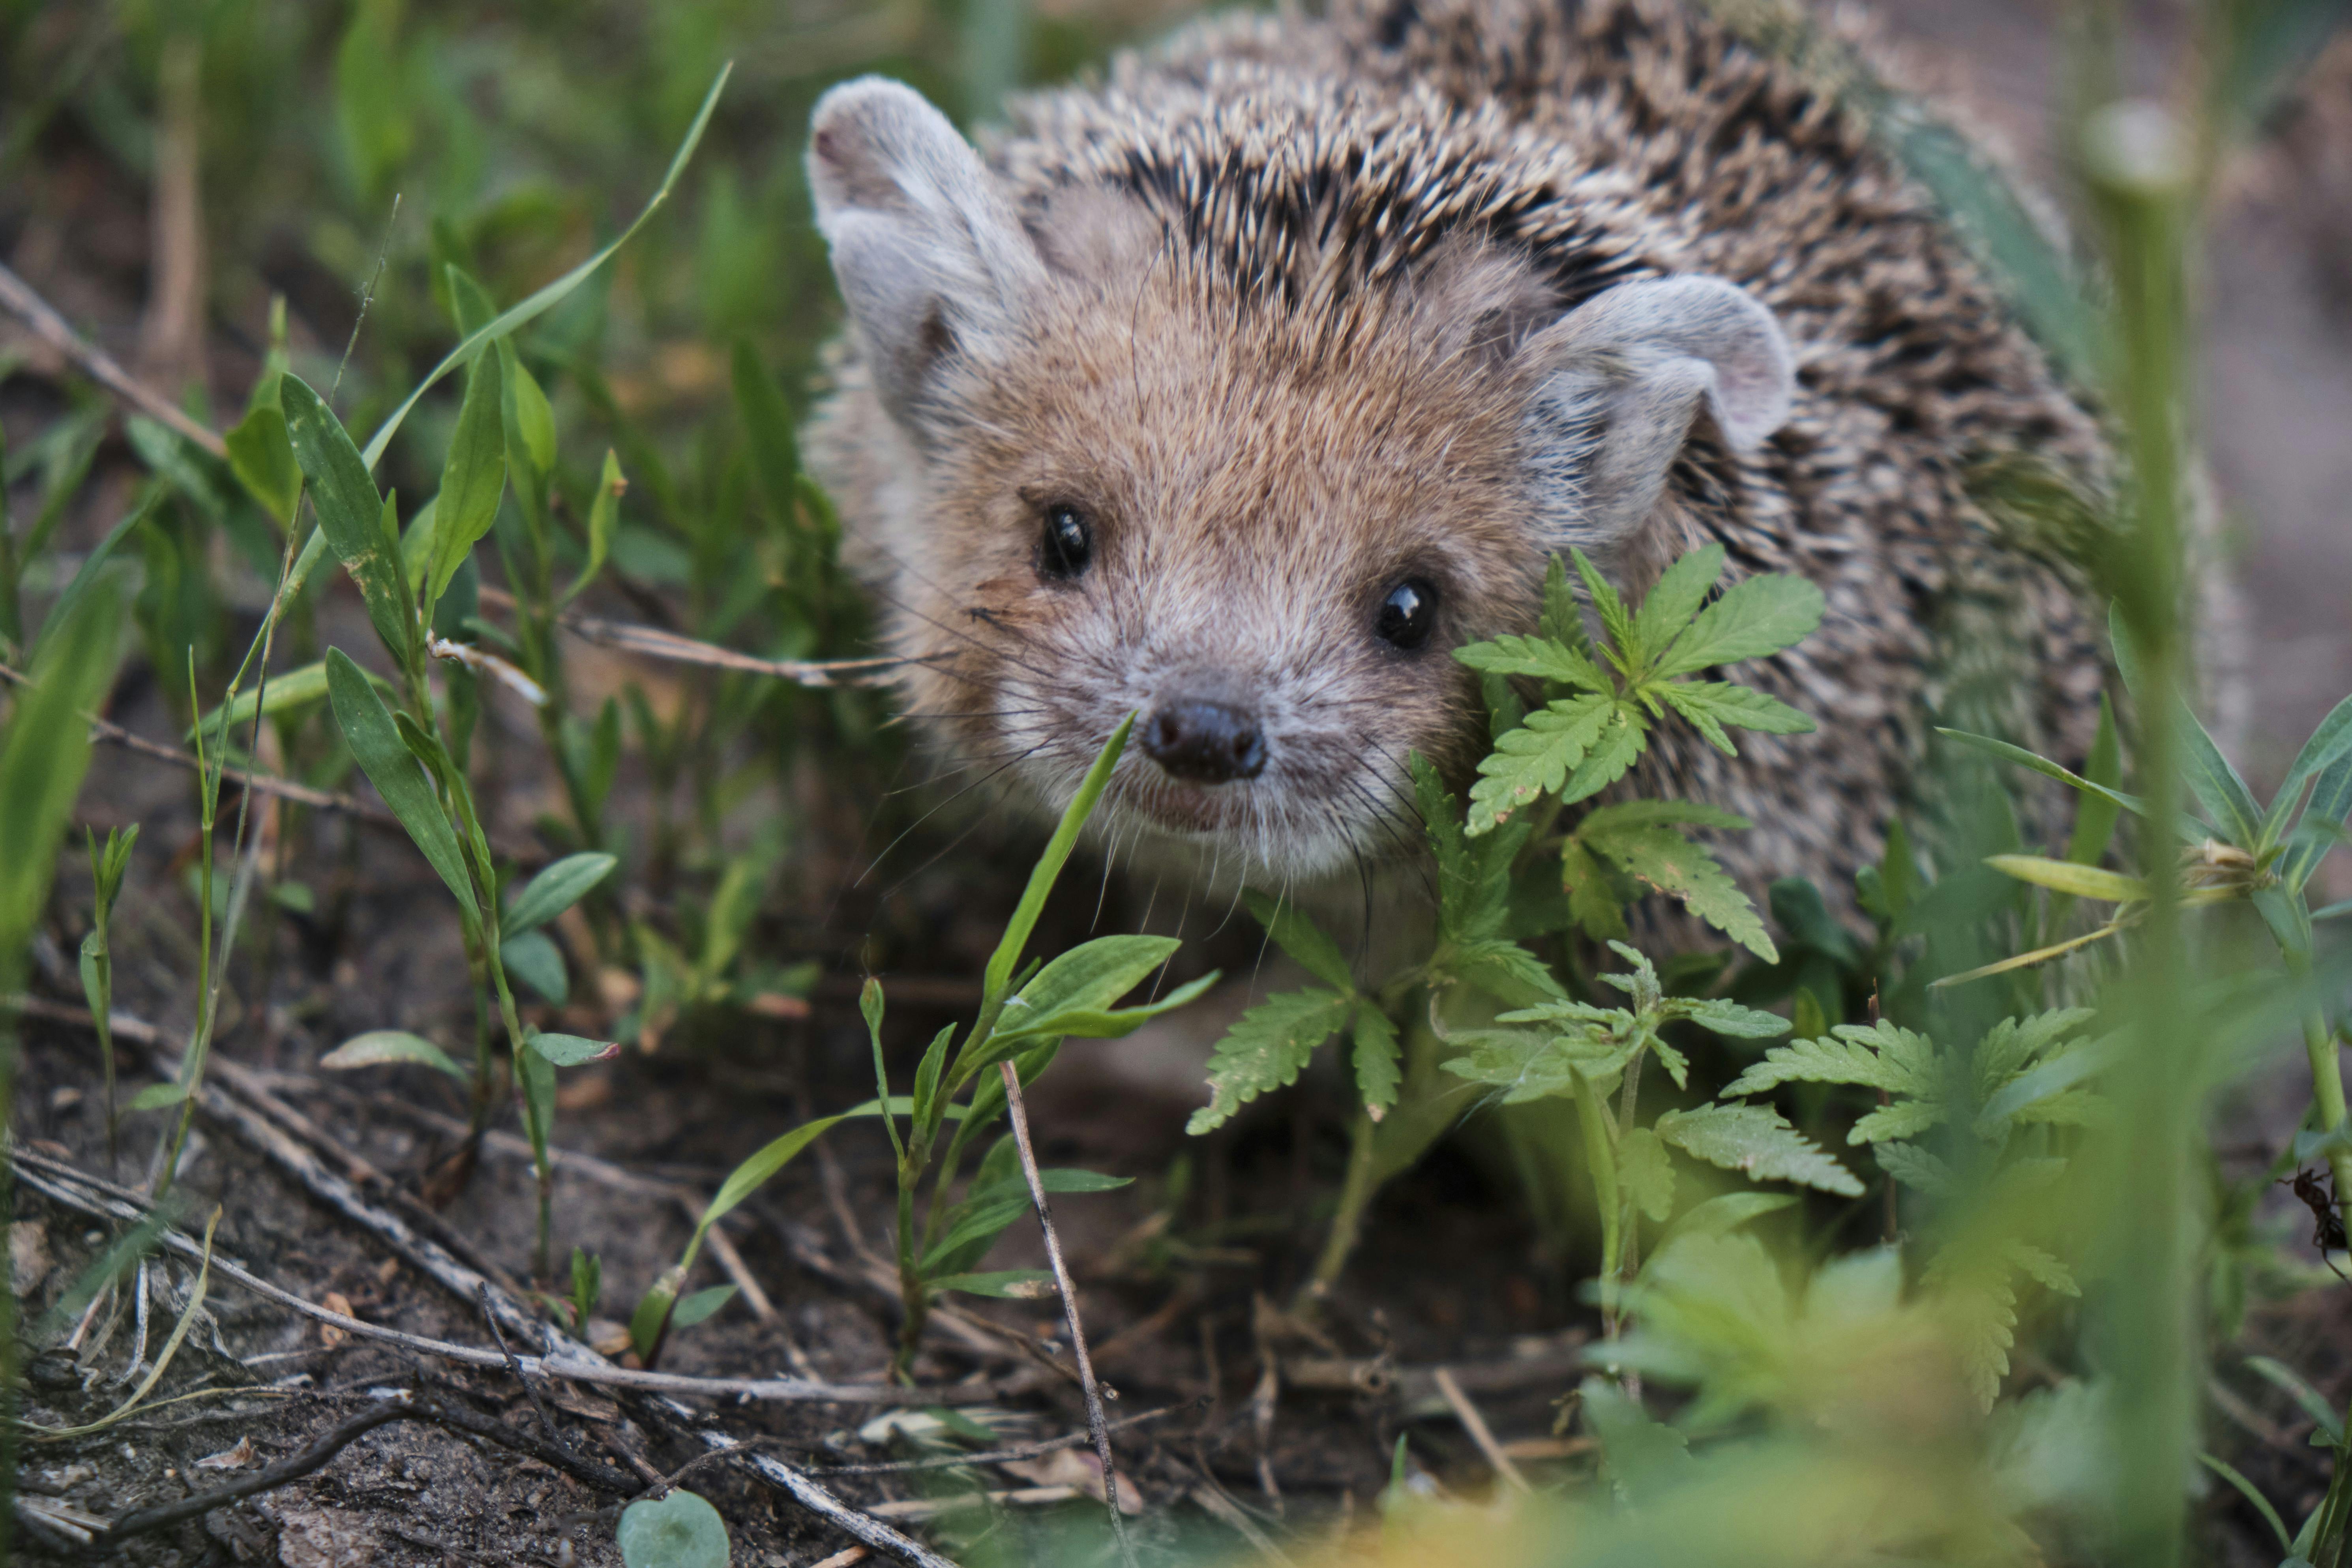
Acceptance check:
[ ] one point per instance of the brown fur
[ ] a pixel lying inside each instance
(1287, 259)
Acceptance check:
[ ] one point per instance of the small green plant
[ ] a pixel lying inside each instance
(1023, 1018)
(1600, 702)
(678, 1529)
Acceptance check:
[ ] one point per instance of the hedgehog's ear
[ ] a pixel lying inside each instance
(1619, 380)
(930, 256)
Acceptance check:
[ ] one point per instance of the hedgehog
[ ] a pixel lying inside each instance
(1238, 389)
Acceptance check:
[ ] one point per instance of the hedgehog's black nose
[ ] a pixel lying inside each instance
(1206, 742)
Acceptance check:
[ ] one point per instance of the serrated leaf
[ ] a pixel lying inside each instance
(1505, 970)
(1851, 1060)
(1978, 1302)
(1668, 608)
(1731, 1019)
(1539, 656)
(1723, 1213)
(1614, 621)
(1526, 1064)
(1591, 902)
(1267, 1050)
(1535, 759)
(1302, 939)
(1646, 1173)
(1903, 1119)
(1378, 1075)
(1710, 705)
(2012, 1043)
(1624, 734)
(2042, 1268)
(1914, 1167)
(1757, 1142)
(1675, 865)
(1563, 617)
(1760, 615)
(1602, 820)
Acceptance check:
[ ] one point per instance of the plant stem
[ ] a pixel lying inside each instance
(2327, 1081)
(1348, 1221)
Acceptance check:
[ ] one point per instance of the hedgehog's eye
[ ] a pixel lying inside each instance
(1068, 543)
(1407, 614)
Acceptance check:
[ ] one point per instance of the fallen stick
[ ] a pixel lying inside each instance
(1480, 1433)
(1019, 1113)
(97, 364)
(651, 642)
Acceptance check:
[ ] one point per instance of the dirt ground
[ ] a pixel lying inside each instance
(1180, 1274)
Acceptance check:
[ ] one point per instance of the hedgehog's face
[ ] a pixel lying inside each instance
(1108, 485)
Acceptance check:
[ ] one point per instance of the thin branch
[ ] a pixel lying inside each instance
(1480, 1433)
(514, 1366)
(1019, 1112)
(18, 297)
(651, 642)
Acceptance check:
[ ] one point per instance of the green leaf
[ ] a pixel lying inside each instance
(1730, 1019)
(1087, 979)
(515, 316)
(2095, 819)
(2326, 1416)
(473, 476)
(679, 1531)
(1535, 759)
(1723, 1213)
(2331, 801)
(1048, 869)
(1915, 1168)
(1302, 939)
(2252, 1494)
(262, 458)
(349, 510)
(1614, 621)
(753, 1173)
(1614, 750)
(1592, 901)
(1658, 855)
(2332, 740)
(604, 519)
(283, 693)
(572, 1050)
(1760, 615)
(1515, 655)
(380, 1046)
(1758, 1142)
(1646, 1173)
(1876, 1056)
(1267, 1049)
(375, 740)
(528, 424)
(694, 1307)
(1107, 1024)
(1710, 705)
(2215, 784)
(156, 1097)
(1013, 1284)
(1377, 1076)
(1505, 970)
(2046, 768)
(1670, 605)
(555, 891)
(44, 754)
(2068, 876)
(538, 962)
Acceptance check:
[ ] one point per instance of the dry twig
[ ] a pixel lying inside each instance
(1480, 1434)
(20, 300)
(1019, 1114)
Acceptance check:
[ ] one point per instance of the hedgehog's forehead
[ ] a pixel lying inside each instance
(1186, 386)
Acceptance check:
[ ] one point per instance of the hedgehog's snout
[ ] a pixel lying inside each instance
(1204, 741)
